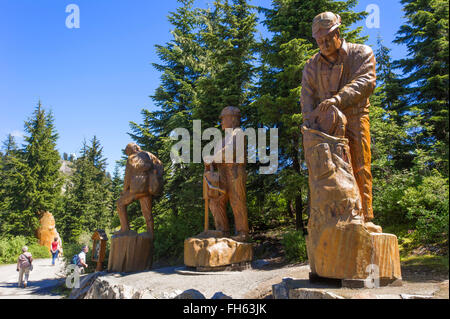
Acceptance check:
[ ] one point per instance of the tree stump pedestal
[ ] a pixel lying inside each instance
(130, 252)
(216, 253)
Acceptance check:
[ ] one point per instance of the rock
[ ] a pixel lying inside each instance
(308, 293)
(47, 232)
(85, 284)
(190, 294)
(103, 290)
(130, 252)
(364, 295)
(280, 291)
(368, 295)
(220, 295)
(94, 286)
(215, 252)
(148, 294)
(407, 296)
(260, 263)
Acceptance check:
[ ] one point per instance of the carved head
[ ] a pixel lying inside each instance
(230, 117)
(325, 30)
(132, 148)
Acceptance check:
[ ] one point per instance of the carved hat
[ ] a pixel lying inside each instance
(131, 148)
(325, 23)
(230, 110)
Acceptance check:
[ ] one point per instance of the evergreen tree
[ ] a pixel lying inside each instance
(87, 203)
(283, 58)
(8, 151)
(10, 146)
(207, 66)
(425, 78)
(116, 189)
(183, 62)
(35, 181)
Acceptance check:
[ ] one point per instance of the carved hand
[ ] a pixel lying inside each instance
(327, 103)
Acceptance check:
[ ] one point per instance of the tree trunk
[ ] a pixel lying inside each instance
(290, 209)
(298, 213)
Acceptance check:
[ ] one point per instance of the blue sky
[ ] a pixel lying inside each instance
(98, 78)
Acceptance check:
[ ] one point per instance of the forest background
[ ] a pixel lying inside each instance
(214, 59)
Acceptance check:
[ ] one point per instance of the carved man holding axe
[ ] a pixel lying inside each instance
(225, 182)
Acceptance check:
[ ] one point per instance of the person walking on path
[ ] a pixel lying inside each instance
(24, 266)
(82, 258)
(54, 250)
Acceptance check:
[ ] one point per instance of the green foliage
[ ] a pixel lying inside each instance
(427, 205)
(207, 66)
(213, 61)
(171, 231)
(87, 204)
(426, 262)
(11, 248)
(425, 80)
(74, 248)
(31, 182)
(295, 246)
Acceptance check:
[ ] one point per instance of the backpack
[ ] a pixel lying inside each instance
(75, 260)
(156, 180)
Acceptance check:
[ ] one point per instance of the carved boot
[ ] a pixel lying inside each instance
(373, 228)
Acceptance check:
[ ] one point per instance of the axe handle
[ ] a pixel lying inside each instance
(205, 196)
(206, 214)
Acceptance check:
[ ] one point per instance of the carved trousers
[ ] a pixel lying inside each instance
(145, 201)
(232, 180)
(358, 134)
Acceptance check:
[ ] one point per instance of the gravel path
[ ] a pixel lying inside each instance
(251, 283)
(43, 278)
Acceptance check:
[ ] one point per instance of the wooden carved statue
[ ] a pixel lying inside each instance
(336, 86)
(342, 242)
(225, 182)
(143, 180)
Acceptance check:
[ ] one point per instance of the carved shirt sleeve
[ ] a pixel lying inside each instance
(127, 178)
(309, 91)
(363, 79)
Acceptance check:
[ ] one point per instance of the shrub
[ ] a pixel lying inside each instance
(85, 238)
(387, 195)
(428, 206)
(11, 248)
(295, 246)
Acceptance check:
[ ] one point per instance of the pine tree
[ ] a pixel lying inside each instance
(183, 62)
(116, 189)
(425, 78)
(35, 179)
(87, 202)
(8, 151)
(206, 66)
(10, 146)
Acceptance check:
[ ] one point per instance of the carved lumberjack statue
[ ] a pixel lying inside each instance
(342, 243)
(143, 180)
(223, 181)
(227, 182)
(336, 86)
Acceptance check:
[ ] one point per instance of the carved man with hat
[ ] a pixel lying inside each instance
(230, 179)
(341, 77)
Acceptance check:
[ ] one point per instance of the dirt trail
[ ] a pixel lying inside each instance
(251, 283)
